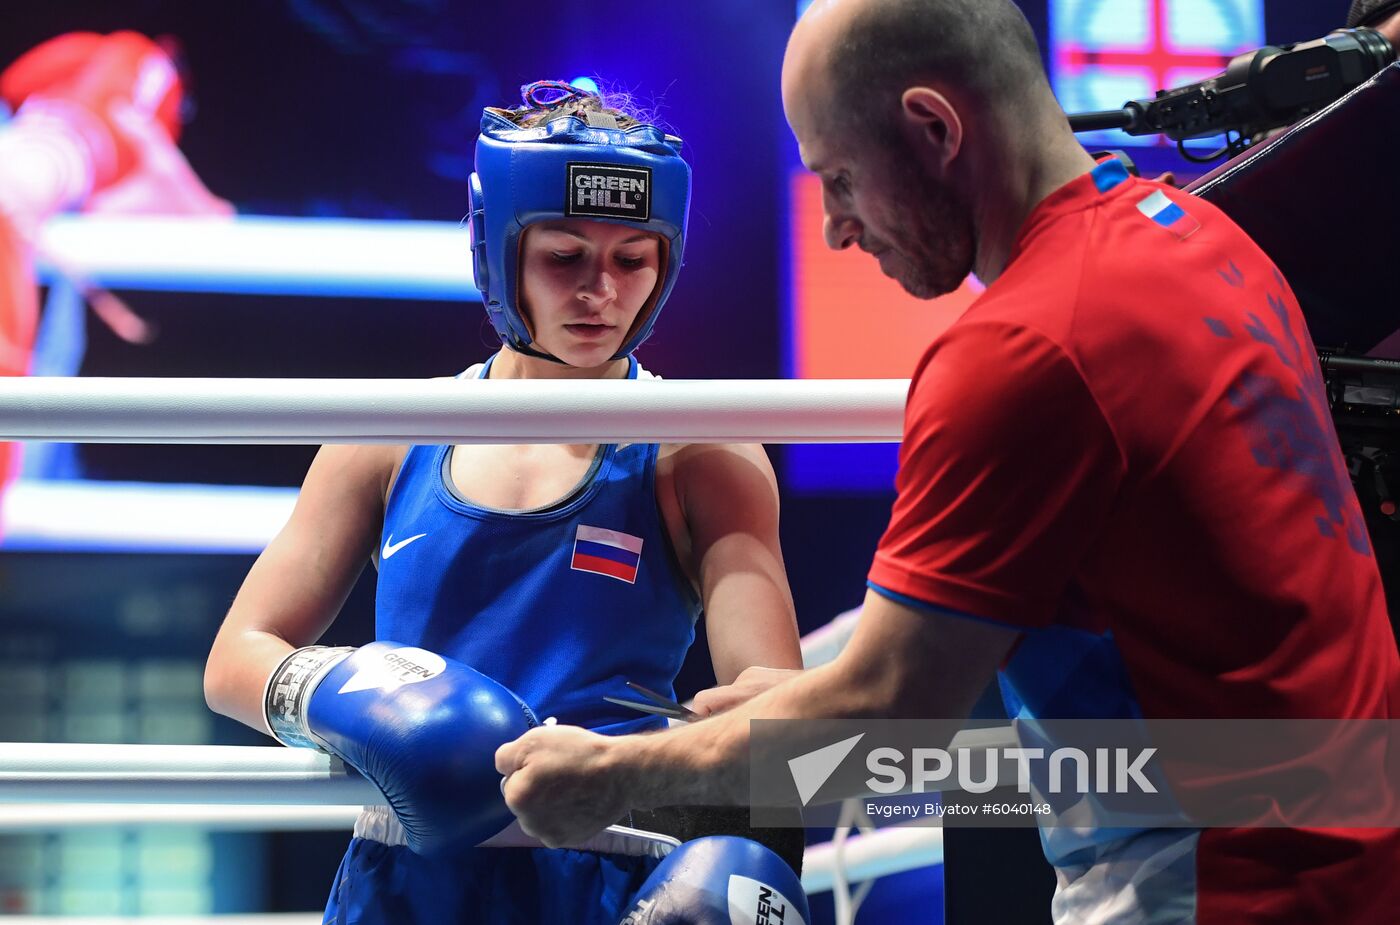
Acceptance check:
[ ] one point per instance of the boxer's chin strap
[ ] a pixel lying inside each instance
(529, 351)
(541, 355)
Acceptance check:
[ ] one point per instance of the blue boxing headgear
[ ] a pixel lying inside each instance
(569, 168)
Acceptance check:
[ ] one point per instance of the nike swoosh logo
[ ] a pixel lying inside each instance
(390, 547)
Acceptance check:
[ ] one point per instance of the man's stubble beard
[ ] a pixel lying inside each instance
(939, 249)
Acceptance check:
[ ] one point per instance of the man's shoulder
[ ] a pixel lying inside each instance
(1157, 244)
(1094, 276)
(994, 360)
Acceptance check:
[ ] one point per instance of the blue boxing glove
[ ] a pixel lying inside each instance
(721, 880)
(422, 728)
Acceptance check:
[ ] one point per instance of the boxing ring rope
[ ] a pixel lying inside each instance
(865, 858)
(257, 788)
(260, 255)
(113, 776)
(891, 850)
(37, 818)
(216, 774)
(48, 787)
(264, 255)
(241, 255)
(396, 411)
(310, 411)
(49, 772)
(78, 515)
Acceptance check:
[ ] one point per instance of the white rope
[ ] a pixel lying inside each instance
(52, 786)
(866, 856)
(80, 515)
(222, 774)
(16, 818)
(891, 850)
(847, 904)
(259, 254)
(236, 774)
(824, 643)
(395, 411)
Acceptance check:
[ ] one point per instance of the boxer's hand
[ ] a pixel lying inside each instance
(749, 684)
(719, 881)
(422, 728)
(561, 783)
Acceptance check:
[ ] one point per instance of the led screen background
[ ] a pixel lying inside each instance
(1105, 52)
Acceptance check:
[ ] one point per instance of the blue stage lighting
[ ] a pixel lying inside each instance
(585, 83)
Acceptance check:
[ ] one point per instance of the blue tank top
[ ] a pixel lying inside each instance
(563, 604)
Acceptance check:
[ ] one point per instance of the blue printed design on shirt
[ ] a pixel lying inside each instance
(1218, 327)
(1232, 274)
(1289, 427)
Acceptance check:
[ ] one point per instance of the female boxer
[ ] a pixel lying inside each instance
(559, 573)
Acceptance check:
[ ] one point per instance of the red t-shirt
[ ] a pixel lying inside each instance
(1125, 442)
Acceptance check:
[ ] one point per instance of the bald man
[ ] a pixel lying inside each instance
(1119, 486)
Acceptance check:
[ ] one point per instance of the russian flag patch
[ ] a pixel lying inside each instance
(607, 552)
(1168, 214)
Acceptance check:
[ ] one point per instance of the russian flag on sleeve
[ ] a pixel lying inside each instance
(607, 552)
(1168, 214)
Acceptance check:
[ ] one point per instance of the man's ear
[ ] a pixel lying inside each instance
(936, 123)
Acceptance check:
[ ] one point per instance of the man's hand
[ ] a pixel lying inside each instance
(749, 684)
(561, 784)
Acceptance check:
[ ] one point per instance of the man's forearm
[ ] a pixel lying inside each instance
(707, 762)
(566, 783)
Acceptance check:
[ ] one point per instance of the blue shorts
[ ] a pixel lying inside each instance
(379, 883)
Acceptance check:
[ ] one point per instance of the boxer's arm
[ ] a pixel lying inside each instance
(298, 584)
(728, 496)
(749, 684)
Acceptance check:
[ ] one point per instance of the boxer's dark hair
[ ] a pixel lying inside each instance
(985, 47)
